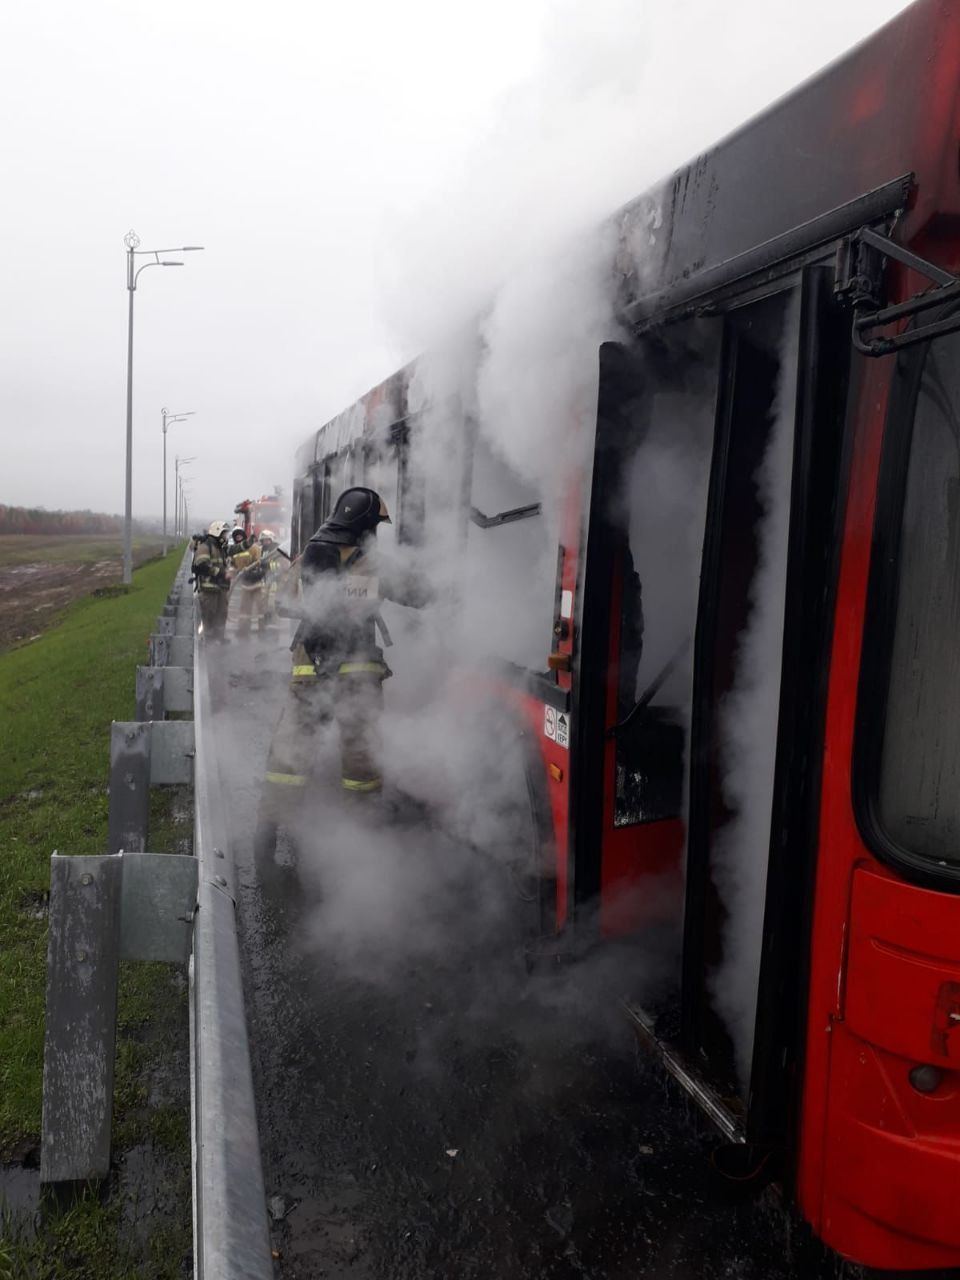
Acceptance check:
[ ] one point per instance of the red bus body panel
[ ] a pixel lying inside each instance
(879, 1163)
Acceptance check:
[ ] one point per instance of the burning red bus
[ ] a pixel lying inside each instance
(743, 709)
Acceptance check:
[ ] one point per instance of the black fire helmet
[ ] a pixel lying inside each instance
(358, 511)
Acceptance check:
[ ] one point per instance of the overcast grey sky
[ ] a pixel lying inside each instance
(359, 174)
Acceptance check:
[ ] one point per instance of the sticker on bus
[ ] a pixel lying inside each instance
(556, 727)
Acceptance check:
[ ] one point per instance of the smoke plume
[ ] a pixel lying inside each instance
(749, 725)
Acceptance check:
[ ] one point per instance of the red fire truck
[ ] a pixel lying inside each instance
(256, 514)
(791, 365)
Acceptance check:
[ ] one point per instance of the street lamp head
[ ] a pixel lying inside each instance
(192, 248)
(171, 264)
(170, 418)
(131, 240)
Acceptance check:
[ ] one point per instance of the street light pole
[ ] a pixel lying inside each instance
(132, 241)
(181, 500)
(169, 418)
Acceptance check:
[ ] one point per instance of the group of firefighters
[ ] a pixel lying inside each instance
(333, 589)
(227, 563)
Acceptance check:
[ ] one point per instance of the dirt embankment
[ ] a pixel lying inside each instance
(34, 593)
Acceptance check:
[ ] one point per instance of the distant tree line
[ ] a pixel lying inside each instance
(39, 520)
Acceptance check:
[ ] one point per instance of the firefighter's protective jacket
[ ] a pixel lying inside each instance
(210, 564)
(341, 600)
(245, 558)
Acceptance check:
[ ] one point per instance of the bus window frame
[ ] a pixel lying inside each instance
(308, 487)
(326, 505)
(879, 624)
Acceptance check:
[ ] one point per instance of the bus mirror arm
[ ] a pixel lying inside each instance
(859, 281)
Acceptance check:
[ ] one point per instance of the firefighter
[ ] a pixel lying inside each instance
(246, 578)
(273, 561)
(210, 579)
(238, 541)
(338, 667)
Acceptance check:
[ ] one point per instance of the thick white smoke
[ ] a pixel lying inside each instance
(537, 384)
(666, 497)
(625, 92)
(510, 258)
(749, 720)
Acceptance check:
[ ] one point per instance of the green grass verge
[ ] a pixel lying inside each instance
(57, 698)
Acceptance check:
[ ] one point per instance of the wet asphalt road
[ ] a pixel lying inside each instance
(429, 1110)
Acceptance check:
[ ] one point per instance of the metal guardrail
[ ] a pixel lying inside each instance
(130, 904)
(231, 1232)
(126, 904)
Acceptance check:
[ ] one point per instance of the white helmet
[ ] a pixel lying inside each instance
(217, 527)
(267, 535)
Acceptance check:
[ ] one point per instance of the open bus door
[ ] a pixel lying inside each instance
(635, 635)
(715, 485)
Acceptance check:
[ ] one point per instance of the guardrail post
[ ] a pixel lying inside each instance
(81, 1027)
(162, 690)
(129, 819)
(172, 648)
(103, 910)
(150, 693)
(155, 753)
(159, 647)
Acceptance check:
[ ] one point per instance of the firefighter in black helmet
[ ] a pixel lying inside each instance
(338, 666)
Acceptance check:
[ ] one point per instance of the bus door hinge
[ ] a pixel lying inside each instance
(859, 282)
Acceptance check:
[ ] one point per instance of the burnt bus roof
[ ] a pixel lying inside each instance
(377, 409)
(886, 110)
(873, 131)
